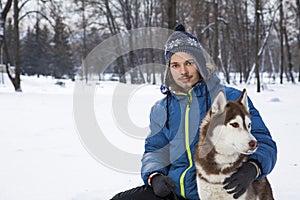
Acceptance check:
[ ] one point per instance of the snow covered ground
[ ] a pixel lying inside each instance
(43, 157)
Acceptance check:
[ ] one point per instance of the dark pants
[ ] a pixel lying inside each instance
(143, 193)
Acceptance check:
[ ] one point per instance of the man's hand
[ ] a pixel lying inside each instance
(162, 185)
(239, 182)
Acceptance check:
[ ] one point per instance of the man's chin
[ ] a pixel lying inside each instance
(186, 87)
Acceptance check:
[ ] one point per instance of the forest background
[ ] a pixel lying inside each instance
(245, 38)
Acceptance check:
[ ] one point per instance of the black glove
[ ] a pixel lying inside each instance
(239, 182)
(162, 185)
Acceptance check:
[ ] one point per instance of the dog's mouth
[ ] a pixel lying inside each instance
(247, 152)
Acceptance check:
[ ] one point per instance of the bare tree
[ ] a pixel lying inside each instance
(289, 54)
(216, 32)
(298, 36)
(281, 42)
(84, 24)
(171, 11)
(3, 16)
(257, 13)
(16, 81)
(148, 18)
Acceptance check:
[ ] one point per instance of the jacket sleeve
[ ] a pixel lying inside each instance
(156, 155)
(266, 153)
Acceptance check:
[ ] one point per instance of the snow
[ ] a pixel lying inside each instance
(43, 156)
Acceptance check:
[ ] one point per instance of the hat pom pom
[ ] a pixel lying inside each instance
(180, 27)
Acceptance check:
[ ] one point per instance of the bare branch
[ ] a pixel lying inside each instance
(213, 23)
(38, 12)
(6, 9)
(23, 4)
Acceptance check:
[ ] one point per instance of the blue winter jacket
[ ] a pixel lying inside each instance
(170, 146)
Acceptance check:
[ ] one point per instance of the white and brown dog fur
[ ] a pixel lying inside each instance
(224, 144)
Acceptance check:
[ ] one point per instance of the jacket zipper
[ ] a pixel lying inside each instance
(187, 144)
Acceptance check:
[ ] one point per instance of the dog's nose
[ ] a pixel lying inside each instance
(253, 144)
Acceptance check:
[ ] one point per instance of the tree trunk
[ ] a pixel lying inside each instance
(281, 43)
(226, 51)
(257, 11)
(237, 44)
(171, 10)
(84, 25)
(16, 81)
(289, 55)
(114, 29)
(247, 41)
(216, 33)
(3, 15)
(272, 76)
(298, 27)
(298, 21)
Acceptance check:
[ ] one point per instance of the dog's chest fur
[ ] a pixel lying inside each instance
(207, 189)
(210, 180)
(210, 186)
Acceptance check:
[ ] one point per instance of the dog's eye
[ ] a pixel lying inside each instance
(249, 125)
(235, 125)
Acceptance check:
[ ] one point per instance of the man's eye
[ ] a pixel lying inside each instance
(174, 66)
(189, 63)
(235, 125)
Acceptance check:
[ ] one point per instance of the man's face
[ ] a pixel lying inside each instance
(184, 70)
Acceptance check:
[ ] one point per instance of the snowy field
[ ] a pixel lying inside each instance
(43, 157)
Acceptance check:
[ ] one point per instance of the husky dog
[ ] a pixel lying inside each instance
(225, 141)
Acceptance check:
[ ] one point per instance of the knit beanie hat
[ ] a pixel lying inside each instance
(182, 41)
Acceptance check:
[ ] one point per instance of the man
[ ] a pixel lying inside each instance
(190, 86)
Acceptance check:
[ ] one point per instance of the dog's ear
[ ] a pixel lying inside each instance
(244, 99)
(219, 103)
